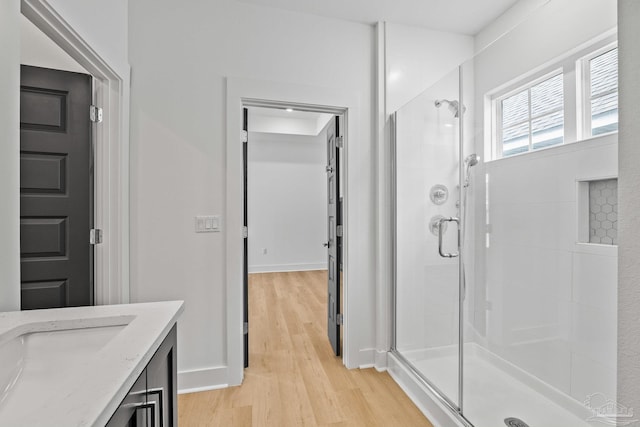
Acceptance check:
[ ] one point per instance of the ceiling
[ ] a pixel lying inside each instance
(458, 16)
(274, 120)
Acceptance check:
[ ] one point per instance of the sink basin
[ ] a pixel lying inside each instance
(31, 358)
(73, 366)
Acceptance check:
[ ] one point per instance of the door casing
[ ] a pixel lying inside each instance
(246, 92)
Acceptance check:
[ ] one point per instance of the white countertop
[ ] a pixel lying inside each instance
(89, 393)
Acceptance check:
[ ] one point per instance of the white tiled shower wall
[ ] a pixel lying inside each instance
(551, 300)
(427, 154)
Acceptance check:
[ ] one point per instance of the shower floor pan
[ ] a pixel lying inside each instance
(493, 394)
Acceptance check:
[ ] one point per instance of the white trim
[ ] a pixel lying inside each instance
(282, 268)
(384, 225)
(381, 360)
(112, 152)
(202, 380)
(239, 92)
(366, 358)
(583, 67)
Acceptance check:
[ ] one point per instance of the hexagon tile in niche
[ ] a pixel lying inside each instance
(603, 211)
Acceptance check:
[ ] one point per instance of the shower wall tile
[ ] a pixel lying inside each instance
(595, 279)
(594, 334)
(552, 301)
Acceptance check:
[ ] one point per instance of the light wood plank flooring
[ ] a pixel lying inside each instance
(293, 378)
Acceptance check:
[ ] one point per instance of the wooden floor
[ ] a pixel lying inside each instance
(293, 378)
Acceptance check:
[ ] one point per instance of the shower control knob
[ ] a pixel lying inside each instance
(439, 194)
(434, 223)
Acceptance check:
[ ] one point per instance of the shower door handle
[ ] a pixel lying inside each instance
(441, 232)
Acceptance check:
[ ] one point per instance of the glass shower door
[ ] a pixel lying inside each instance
(427, 192)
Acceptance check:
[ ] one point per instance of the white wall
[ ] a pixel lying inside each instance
(40, 51)
(629, 268)
(104, 26)
(287, 202)
(417, 58)
(178, 151)
(552, 301)
(9, 155)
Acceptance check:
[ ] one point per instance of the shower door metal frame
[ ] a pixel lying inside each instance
(456, 410)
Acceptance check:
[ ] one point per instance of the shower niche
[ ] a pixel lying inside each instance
(598, 211)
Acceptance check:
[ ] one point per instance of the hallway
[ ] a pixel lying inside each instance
(294, 379)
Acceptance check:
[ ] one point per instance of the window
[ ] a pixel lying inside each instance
(603, 93)
(541, 112)
(533, 118)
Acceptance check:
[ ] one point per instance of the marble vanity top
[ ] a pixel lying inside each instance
(73, 366)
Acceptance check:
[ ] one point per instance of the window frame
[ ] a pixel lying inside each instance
(584, 80)
(576, 89)
(499, 142)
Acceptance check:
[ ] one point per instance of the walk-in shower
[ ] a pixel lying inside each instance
(505, 298)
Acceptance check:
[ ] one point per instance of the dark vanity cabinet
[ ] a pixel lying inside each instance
(152, 401)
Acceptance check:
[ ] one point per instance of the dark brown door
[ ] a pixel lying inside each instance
(333, 243)
(55, 189)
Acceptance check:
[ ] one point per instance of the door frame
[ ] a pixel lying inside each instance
(254, 93)
(110, 148)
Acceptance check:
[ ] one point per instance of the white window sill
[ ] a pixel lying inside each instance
(587, 143)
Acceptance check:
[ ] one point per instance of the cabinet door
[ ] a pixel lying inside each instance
(134, 411)
(162, 382)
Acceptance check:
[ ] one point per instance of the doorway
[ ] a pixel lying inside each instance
(110, 91)
(293, 204)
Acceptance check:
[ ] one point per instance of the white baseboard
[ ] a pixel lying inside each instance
(282, 268)
(202, 380)
(366, 358)
(381, 360)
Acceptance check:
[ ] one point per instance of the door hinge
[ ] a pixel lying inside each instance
(95, 114)
(245, 328)
(340, 142)
(339, 231)
(245, 232)
(95, 236)
(340, 319)
(245, 136)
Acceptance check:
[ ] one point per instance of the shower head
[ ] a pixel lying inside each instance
(454, 106)
(472, 160)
